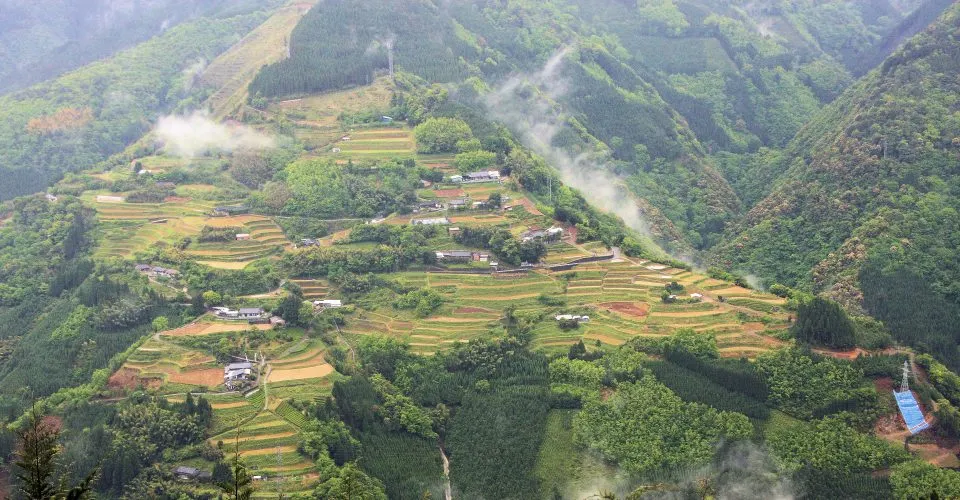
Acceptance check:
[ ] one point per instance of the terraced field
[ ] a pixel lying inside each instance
(266, 239)
(133, 227)
(261, 435)
(266, 432)
(376, 143)
(440, 162)
(313, 289)
(210, 327)
(169, 369)
(302, 375)
(621, 298)
(316, 117)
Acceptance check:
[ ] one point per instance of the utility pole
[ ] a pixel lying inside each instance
(904, 384)
(279, 477)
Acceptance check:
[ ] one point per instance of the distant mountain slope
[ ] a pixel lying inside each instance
(653, 88)
(44, 39)
(73, 122)
(872, 179)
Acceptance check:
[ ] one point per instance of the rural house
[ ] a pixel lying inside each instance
(250, 312)
(243, 236)
(225, 211)
(428, 206)
(455, 256)
(184, 473)
(237, 371)
(226, 312)
(327, 304)
(476, 177)
(552, 234)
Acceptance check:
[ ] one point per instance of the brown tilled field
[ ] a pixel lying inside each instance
(628, 308)
(209, 377)
(316, 371)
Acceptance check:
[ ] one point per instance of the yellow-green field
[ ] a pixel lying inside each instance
(621, 298)
(375, 143)
(129, 228)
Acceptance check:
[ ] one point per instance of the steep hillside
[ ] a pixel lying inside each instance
(75, 121)
(606, 108)
(42, 40)
(873, 179)
(648, 88)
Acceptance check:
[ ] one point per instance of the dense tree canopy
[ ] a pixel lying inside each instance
(645, 428)
(822, 321)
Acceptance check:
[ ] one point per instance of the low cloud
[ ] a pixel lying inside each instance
(197, 134)
(526, 103)
(192, 73)
(740, 471)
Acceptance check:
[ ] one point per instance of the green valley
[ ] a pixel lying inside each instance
(557, 249)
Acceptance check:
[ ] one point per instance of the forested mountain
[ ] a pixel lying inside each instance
(40, 40)
(871, 183)
(654, 85)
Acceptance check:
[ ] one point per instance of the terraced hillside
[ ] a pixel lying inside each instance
(316, 118)
(261, 424)
(622, 299)
(132, 227)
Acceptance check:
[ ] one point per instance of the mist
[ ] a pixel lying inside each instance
(526, 104)
(193, 72)
(740, 471)
(197, 134)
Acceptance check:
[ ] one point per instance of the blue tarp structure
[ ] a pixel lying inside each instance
(910, 410)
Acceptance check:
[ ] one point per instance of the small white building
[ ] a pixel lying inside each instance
(243, 237)
(696, 296)
(226, 312)
(440, 221)
(328, 304)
